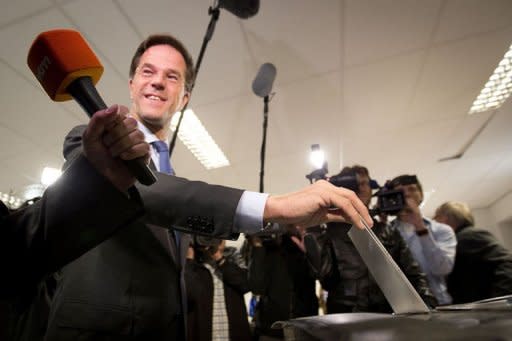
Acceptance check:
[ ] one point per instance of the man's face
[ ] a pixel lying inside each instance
(364, 190)
(157, 89)
(412, 192)
(444, 219)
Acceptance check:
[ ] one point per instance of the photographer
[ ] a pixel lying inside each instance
(431, 243)
(216, 281)
(278, 274)
(340, 268)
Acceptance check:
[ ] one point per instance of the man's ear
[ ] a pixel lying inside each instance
(184, 100)
(130, 81)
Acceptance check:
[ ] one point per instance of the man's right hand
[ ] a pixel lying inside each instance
(411, 214)
(111, 137)
(316, 204)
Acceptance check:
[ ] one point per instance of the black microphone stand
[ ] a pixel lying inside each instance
(264, 141)
(214, 12)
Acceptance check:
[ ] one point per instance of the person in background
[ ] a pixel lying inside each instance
(216, 281)
(279, 275)
(432, 243)
(341, 270)
(483, 267)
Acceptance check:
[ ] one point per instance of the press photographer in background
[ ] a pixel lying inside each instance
(338, 265)
(431, 243)
(216, 281)
(278, 273)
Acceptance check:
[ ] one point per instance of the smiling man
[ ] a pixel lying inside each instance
(136, 276)
(161, 75)
(131, 287)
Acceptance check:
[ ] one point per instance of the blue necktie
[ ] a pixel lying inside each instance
(163, 157)
(165, 167)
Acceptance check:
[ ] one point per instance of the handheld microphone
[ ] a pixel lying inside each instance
(243, 9)
(67, 68)
(262, 84)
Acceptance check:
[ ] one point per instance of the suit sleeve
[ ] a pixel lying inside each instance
(75, 214)
(190, 206)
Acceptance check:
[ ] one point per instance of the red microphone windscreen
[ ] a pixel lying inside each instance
(60, 56)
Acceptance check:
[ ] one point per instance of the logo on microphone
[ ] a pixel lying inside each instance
(42, 68)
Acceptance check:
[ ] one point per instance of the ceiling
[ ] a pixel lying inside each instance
(386, 84)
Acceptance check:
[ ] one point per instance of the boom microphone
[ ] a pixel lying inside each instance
(243, 9)
(262, 84)
(67, 68)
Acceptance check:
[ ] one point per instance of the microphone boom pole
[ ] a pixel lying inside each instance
(241, 8)
(262, 87)
(214, 12)
(264, 141)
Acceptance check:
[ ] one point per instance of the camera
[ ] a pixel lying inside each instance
(271, 234)
(389, 201)
(205, 247)
(348, 181)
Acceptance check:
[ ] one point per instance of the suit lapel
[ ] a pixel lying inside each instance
(185, 240)
(165, 236)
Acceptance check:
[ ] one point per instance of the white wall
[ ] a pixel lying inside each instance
(497, 218)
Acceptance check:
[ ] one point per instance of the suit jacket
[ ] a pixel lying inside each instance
(61, 226)
(129, 287)
(482, 269)
(200, 300)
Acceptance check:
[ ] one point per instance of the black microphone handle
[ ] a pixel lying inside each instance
(84, 92)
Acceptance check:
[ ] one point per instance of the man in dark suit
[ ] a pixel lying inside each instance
(62, 225)
(216, 278)
(483, 267)
(131, 286)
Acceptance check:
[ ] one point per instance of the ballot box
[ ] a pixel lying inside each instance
(468, 325)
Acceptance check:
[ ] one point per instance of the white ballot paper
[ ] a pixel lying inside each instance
(399, 292)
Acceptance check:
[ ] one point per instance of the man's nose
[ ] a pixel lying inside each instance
(158, 81)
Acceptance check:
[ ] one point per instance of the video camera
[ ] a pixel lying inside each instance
(205, 247)
(389, 201)
(271, 234)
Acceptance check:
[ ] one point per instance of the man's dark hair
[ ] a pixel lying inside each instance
(165, 39)
(404, 180)
(355, 169)
(347, 177)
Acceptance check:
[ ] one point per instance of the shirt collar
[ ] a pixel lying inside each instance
(148, 135)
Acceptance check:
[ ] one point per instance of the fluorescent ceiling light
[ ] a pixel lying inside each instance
(195, 137)
(50, 175)
(498, 87)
